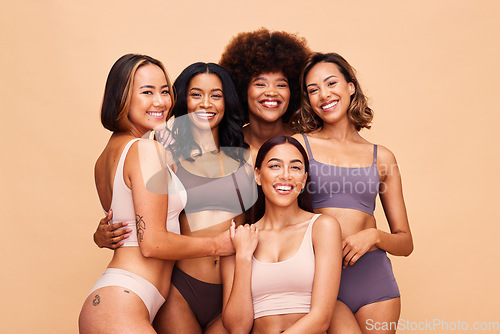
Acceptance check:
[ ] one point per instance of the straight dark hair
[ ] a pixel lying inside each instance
(118, 90)
(304, 199)
(230, 127)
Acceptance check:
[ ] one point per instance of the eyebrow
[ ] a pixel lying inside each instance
(291, 161)
(263, 78)
(326, 79)
(152, 87)
(212, 90)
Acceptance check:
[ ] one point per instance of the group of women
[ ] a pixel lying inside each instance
(231, 224)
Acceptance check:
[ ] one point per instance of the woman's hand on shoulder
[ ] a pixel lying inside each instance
(109, 235)
(245, 239)
(164, 136)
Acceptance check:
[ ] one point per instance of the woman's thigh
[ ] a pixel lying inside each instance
(114, 309)
(343, 321)
(379, 317)
(175, 316)
(216, 327)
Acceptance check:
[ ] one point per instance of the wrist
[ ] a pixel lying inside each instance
(213, 247)
(244, 256)
(376, 237)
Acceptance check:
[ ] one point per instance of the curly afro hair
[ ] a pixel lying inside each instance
(250, 54)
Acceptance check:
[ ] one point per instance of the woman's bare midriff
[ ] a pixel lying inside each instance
(275, 323)
(204, 224)
(156, 271)
(351, 221)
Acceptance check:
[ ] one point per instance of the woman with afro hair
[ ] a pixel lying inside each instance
(265, 67)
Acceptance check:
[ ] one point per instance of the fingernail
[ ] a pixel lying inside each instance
(129, 230)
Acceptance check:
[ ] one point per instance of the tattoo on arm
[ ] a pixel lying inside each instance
(97, 300)
(140, 225)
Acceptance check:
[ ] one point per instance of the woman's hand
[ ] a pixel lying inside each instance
(108, 235)
(224, 246)
(245, 239)
(236, 271)
(356, 245)
(164, 136)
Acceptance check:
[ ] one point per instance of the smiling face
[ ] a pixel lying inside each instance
(268, 96)
(282, 174)
(150, 100)
(205, 101)
(328, 92)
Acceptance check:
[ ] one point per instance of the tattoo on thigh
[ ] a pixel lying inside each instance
(126, 291)
(140, 225)
(97, 300)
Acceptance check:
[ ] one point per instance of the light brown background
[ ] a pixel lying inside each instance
(429, 67)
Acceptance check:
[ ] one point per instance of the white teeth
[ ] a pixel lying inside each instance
(205, 114)
(270, 103)
(156, 114)
(330, 105)
(284, 188)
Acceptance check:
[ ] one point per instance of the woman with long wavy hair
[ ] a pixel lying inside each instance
(347, 174)
(213, 163)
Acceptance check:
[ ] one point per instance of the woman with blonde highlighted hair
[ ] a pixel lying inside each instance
(137, 99)
(211, 159)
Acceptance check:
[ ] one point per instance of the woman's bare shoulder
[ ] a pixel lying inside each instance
(326, 225)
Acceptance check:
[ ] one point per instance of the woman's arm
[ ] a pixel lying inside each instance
(146, 159)
(399, 241)
(237, 310)
(327, 241)
(110, 235)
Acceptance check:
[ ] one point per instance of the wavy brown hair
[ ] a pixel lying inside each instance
(250, 54)
(306, 120)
